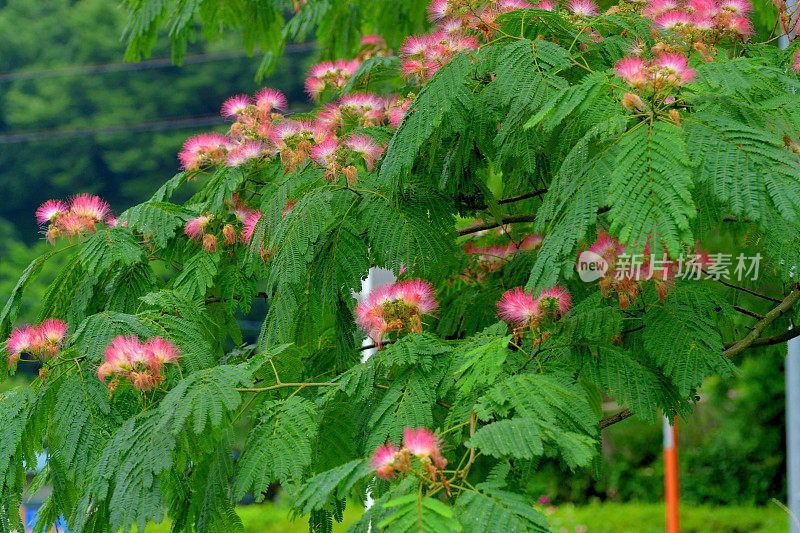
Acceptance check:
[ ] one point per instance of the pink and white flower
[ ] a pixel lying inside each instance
(674, 67)
(555, 301)
(383, 461)
(423, 444)
(268, 100)
(49, 210)
(236, 105)
(245, 152)
(366, 148)
(195, 228)
(250, 225)
(519, 308)
(673, 20)
(204, 149)
(89, 207)
(796, 66)
(583, 8)
(633, 70)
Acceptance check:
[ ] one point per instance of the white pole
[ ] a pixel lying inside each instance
(376, 278)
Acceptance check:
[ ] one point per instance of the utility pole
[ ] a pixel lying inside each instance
(671, 485)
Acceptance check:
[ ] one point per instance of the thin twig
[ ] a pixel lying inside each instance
(281, 385)
(521, 197)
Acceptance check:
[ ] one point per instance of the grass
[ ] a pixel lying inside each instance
(594, 518)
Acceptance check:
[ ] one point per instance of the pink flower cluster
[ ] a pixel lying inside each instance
(140, 363)
(625, 278)
(388, 460)
(396, 307)
(261, 132)
(76, 218)
(41, 342)
(466, 24)
(521, 309)
(236, 226)
(796, 66)
(333, 76)
(664, 72)
(486, 259)
(704, 21)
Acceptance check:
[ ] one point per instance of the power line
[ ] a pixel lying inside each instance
(147, 64)
(159, 125)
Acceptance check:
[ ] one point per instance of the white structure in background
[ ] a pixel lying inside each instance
(378, 277)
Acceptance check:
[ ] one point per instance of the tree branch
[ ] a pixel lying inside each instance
(749, 339)
(613, 419)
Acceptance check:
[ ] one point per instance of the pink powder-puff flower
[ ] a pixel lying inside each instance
(324, 153)
(366, 148)
(284, 133)
(417, 293)
(203, 149)
(796, 66)
(22, 340)
(673, 20)
(238, 209)
(195, 228)
(160, 352)
(546, 5)
(607, 246)
(704, 23)
(383, 461)
(507, 6)
(89, 207)
(659, 7)
(49, 210)
(438, 9)
(250, 225)
(518, 308)
(739, 7)
(704, 8)
(555, 301)
(369, 312)
(315, 87)
(269, 100)
(52, 330)
(451, 26)
(674, 67)
(125, 351)
(415, 45)
(633, 70)
(421, 443)
(235, 105)
(248, 151)
(739, 26)
(583, 8)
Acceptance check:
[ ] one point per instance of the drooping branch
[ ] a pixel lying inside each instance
(759, 327)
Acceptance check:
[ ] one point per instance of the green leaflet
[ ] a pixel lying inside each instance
(278, 448)
(650, 189)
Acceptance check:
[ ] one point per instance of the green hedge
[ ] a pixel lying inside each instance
(593, 518)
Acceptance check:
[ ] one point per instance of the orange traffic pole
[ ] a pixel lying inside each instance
(671, 486)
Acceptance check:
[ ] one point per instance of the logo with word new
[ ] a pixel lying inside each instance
(591, 266)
